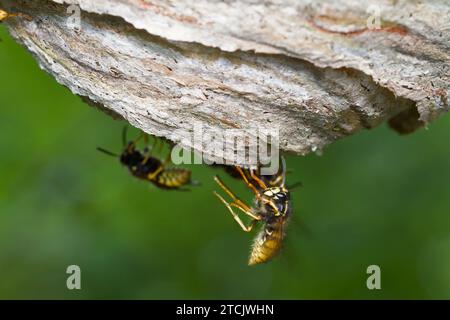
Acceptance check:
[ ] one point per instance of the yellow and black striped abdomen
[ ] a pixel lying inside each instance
(267, 243)
(173, 178)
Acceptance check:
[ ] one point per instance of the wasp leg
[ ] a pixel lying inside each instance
(257, 179)
(161, 145)
(124, 136)
(277, 182)
(160, 168)
(132, 144)
(238, 203)
(147, 150)
(235, 216)
(247, 182)
(147, 156)
(153, 175)
(168, 159)
(142, 135)
(163, 165)
(295, 185)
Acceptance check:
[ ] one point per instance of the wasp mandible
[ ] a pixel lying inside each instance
(273, 207)
(144, 166)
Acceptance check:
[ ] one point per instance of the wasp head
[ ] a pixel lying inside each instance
(130, 156)
(276, 201)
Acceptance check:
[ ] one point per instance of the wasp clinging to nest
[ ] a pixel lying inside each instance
(273, 208)
(144, 166)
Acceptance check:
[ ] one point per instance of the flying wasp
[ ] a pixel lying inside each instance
(143, 165)
(273, 208)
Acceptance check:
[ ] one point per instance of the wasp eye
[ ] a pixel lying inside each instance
(280, 207)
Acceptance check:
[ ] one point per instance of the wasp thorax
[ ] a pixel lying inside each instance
(131, 157)
(275, 200)
(276, 193)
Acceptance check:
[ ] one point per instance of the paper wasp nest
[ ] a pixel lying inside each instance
(317, 70)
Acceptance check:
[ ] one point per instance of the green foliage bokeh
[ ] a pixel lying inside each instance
(374, 198)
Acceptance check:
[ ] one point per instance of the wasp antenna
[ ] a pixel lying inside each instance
(109, 153)
(295, 185)
(124, 135)
(283, 168)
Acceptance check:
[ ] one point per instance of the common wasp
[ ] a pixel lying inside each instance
(144, 166)
(273, 208)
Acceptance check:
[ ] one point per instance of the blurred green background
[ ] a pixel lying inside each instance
(375, 198)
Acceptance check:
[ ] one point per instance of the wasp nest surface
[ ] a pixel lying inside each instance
(316, 70)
